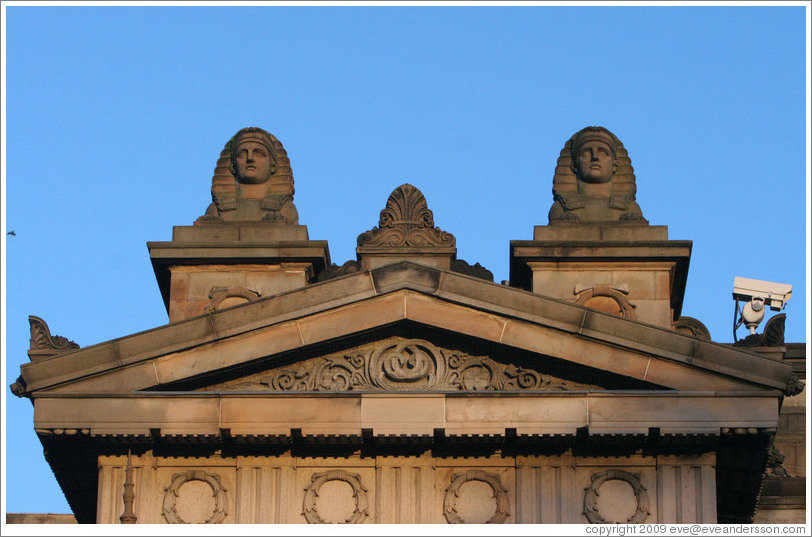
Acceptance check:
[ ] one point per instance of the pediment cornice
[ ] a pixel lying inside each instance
(410, 292)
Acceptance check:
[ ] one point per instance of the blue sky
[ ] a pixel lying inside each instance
(115, 117)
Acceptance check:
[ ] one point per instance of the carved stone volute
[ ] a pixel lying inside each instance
(43, 344)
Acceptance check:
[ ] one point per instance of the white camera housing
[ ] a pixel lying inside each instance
(774, 295)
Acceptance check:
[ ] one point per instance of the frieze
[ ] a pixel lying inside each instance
(398, 364)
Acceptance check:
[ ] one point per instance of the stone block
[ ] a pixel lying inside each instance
(353, 318)
(398, 414)
(229, 352)
(578, 350)
(277, 415)
(394, 276)
(596, 232)
(118, 381)
(276, 280)
(60, 368)
(203, 278)
(537, 415)
(452, 317)
(179, 286)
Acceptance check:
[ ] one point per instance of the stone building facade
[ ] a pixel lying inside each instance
(406, 386)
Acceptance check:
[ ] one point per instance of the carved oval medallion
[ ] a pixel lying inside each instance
(591, 511)
(451, 508)
(406, 365)
(191, 495)
(317, 481)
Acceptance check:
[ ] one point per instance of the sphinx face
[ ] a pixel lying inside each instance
(252, 163)
(595, 163)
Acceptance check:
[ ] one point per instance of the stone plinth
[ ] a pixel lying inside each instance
(211, 266)
(629, 270)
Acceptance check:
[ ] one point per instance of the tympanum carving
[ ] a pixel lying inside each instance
(401, 364)
(253, 180)
(317, 480)
(406, 222)
(452, 494)
(172, 493)
(592, 492)
(594, 181)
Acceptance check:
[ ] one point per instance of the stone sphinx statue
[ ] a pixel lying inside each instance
(253, 181)
(594, 181)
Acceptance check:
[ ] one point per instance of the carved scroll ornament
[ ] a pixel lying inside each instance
(476, 270)
(452, 494)
(406, 222)
(397, 365)
(334, 271)
(41, 338)
(170, 512)
(592, 492)
(358, 492)
(692, 327)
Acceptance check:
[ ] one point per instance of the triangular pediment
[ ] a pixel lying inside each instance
(318, 323)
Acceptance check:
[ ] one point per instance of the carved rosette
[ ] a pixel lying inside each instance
(406, 222)
(452, 494)
(312, 491)
(398, 365)
(172, 492)
(591, 494)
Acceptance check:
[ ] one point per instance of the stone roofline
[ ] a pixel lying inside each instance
(498, 311)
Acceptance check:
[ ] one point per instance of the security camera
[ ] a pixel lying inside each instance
(757, 294)
(774, 295)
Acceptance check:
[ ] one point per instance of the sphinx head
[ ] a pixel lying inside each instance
(253, 158)
(594, 155)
